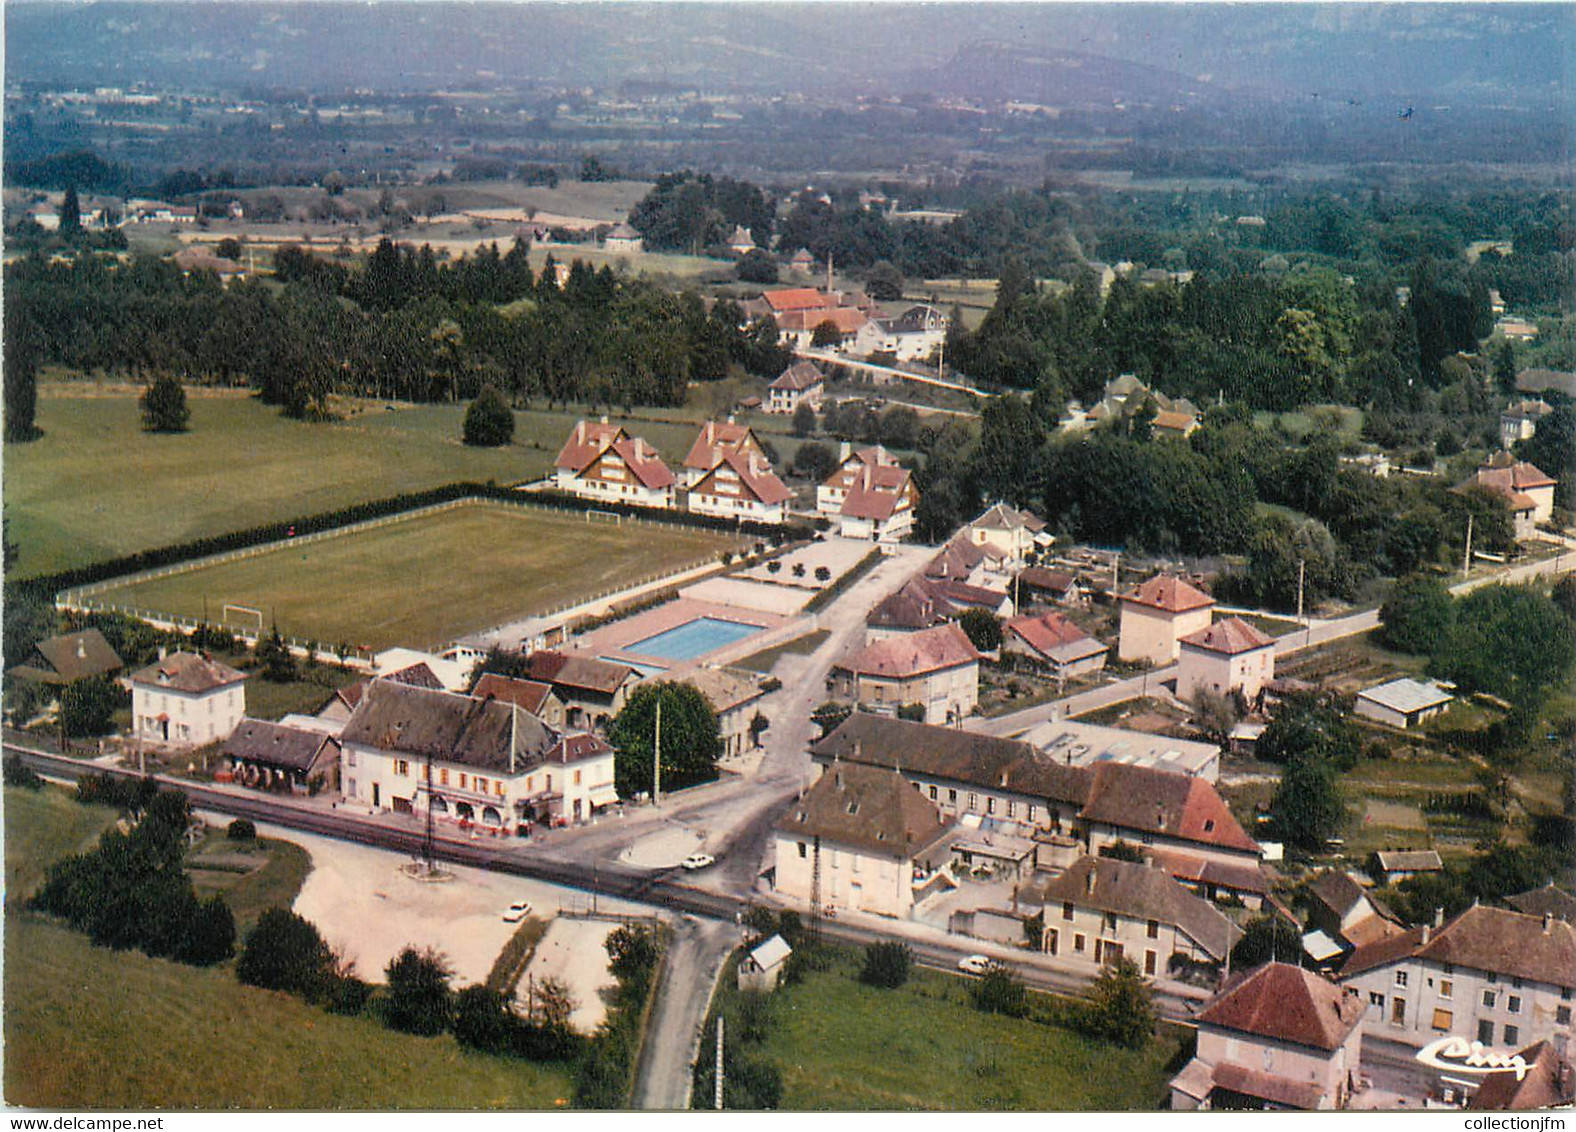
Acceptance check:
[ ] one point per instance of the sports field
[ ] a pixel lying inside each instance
(428, 579)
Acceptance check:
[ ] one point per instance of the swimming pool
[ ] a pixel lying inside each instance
(693, 638)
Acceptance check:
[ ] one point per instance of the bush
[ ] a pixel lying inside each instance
(88, 706)
(887, 965)
(285, 952)
(484, 1019)
(418, 993)
(17, 774)
(241, 830)
(488, 421)
(1121, 1008)
(998, 991)
(164, 405)
(756, 266)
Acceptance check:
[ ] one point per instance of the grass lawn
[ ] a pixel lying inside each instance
(766, 659)
(843, 1045)
(253, 876)
(42, 826)
(90, 1028)
(267, 700)
(428, 579)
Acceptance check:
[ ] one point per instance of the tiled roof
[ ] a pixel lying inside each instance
(1546, 1085)
(577, 747)
(1288, 1004)
(1240, 876)
(715, 439)
(957, 559)
(1174, 421)
(1054, 635)
(868, 809)
(847, 320)
(1000, 517)
(448, 727)
(187, 672)
(850, 466)
(917, 605)
(1485, 939)
(755, 476)
(1550, 898)
(876, 492)
(1054, 581)
(586, 442)
(272, 744)
(416, 675)
(962, 756)
(725, 688)
(622, 231)
(1409, 860)
(795, 299)
(1267, 1086)
(528, 694)
(1230, 636)
(75, 655)
(1170, 593)
(1156, 801)
(1338, 892)
(915, 654)
(570, 670)
(643, 461)
(1140, 891)
(799, 377)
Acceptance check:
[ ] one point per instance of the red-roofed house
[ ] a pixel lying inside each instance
(1158, 614)
(534, 696)
(872, 496)
(800, 382)
(1275, 1038)
(741, 486)
(1155, 809)
(716, 440)
(1055, 640)
(935, 668)
(796, 329)
(789, 299)
(1527, 490)
(620, 470)
(1229, 656)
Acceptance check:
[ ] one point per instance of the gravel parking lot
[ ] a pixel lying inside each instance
(573, 952)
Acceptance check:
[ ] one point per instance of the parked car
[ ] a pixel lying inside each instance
(974, 964)
(517, 911)
(698, 861)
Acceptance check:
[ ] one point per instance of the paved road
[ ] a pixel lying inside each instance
(667, 1059)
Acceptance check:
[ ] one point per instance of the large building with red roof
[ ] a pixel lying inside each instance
(1525, 488)
(1275, 1038)
(1158, 614)
(1230, 656)
(602, 462)
(872, 496)
(937, 669)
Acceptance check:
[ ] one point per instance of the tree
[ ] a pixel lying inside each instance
(632, 952)
(1121, 1007)
(208, 935)
(983, 629)
(823, 574)
(1214, 714)
(285, 952)
(1511, 641)
(690, 738)
(756, 266)
(1311, 724)
(887, 965)
(803, 423)
(20, 363)
(552, 1004)
(998, 991)
(70, 214)
(1417, 615)
(830, 715)
(1564, 595)
(1011, 436)
(488, 422)
(483, 1019)
(1307, 803)
(758, 726)
(274, 659)
(418, 992)
(826, 336)
(814, 461)
(1266, 938)
(1505, 369)
(164, 405)
(88, 706)
(884, 282)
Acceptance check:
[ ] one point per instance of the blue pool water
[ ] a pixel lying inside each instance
(693, 638)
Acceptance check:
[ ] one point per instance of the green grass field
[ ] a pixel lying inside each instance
(428, 579)
(42, 826)
(844, 1046)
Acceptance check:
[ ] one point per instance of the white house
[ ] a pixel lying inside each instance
(586, 442)
(762, 966)
(1402, 703)
(1013, 534)
(186, 700)
(602, 463)
(872, 496)
(936, 669)
(622, 238)
(714, 441)
(734, 696)
(876, 843)
(741, 486)
(1229, 656)
(1158, 614)
(800, 383)
(1519, 421)
(1528, 491)
(912, 335)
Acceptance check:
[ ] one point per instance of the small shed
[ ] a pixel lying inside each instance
(1402, 703)
(761, 969)
(1395, 865)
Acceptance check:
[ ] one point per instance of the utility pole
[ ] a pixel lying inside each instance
(656, 756)
(1300, 574)
(1466, 563)
(1116, 574)
(717, 1100)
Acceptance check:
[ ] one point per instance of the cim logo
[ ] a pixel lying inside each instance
(1461, 1056)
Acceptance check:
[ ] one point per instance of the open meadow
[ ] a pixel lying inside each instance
(427, 579)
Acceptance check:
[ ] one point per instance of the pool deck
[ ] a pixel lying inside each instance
(614, 641)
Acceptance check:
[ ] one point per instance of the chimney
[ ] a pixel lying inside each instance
(580, 432)
(604, 418)
(730, 418)
(1089, 881)
(1439, 916)
(1428, 930)
(1548, 920)
(163, 652)
(844, 451)
(82, 649)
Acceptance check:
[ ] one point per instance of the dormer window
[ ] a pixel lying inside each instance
(1209, 825)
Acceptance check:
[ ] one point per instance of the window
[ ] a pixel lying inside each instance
(481, 784)
(1067, 909)
(1514, 1004)
(1376, 999)
(1512, 1035)
(462, 780)
(352, 788)
(1492, 978)
(1516, 982)
(350, 755)
(1442, 1020)
(974, 801)
(990, 805)
(1108, 923)
(1562, 1015)
(1565, 993)
(1012, 808)
(1078, 943)
(1446, 987)
(1400, 978)
(1486, 1033)
(401, 767)
(1152, 929)
(802, 851)
(498, 787)
(952, 797)
(1032, 810)
(932, 793)
(1488, 999)
(1398, 1011)
(443, 777)
(1149, 962)
(577, 778)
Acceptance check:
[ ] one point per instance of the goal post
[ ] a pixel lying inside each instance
(246, 609)
(613, 517)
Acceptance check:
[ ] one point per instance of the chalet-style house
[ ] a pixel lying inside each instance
(741, 486)
(534, 696)
(271, 756)
(483, 761)
(603, 463)
(1158, 614)
(716, 440)
(1527, 491)
(935, 669)
(877, 844)
(186, 700)
(1101, 909)
(61, 660)
(1489, 975)
(1229, 657)
(800, 383)
(871, 496)
(1275, 1038)
(1178, 821)
(1015, 535)
(1056, 642)
(592, 691)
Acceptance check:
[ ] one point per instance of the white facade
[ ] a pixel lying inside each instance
(850, 878)
(167, 717)
(1152, 634)
(1223, 673)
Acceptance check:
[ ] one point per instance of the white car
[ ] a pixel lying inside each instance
(974, 964)
(698, 861)
(517, 911)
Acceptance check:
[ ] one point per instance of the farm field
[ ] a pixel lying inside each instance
(842, 1045)
(430, 578)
